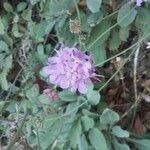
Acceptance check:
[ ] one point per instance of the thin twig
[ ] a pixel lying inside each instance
(134, 81)
(135, 72)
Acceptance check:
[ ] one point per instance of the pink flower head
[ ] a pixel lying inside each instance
(70, 68)
(50, 94)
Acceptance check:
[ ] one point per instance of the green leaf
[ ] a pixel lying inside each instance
(15, 31)
(4, 47)
(72, 108)
(119, 132)
(40, 53)
(119, 146)
(8, 7)
(98, 54)
(88, 113)
(84, 25)
(90, 87)
(26, 14)
(83, 145)
(21, 6)
(96, 41)
(143, 21)
(97, 139)
(57, 8)
(3, 80)
(67, 96)
(8, 62)
(33, 2)
(97, 31)
(87, 122)
(124, 33)
(95, 18)
(49, 27)
(48, 136)
(26, 104)
(33, 92)
(6, 65)
(109, 117)
(8, 40)
(11, 107)
(2, 28)
(94, 5)
(65, 133)
(63, 32)
(74, 134)
(38, 32)
(2, 103)
(2, 56)
(93, 97)
(115, 41)
(44, 100)
(126, 15)
(49, 121)
(16, 19)
(143, 144)
(142, 18)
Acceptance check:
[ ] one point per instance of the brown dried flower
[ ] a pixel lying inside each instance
(75, 26)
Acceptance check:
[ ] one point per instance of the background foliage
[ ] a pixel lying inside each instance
(29, 32)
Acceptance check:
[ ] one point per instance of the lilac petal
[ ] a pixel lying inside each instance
(82, 88)
(53, 60)
(46, 70)
(74, 87)
(139, 2)
(88, 65)
(50, 69)
(53, 78)
(64, 84)
(60, 68)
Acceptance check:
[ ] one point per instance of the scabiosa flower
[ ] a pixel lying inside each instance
(70, 68)
(50, 94)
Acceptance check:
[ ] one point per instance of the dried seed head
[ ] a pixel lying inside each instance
(75, 26)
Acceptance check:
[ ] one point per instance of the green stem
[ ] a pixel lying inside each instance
(79, 18)
(132, 46)
(116, 72)
(90, 46)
